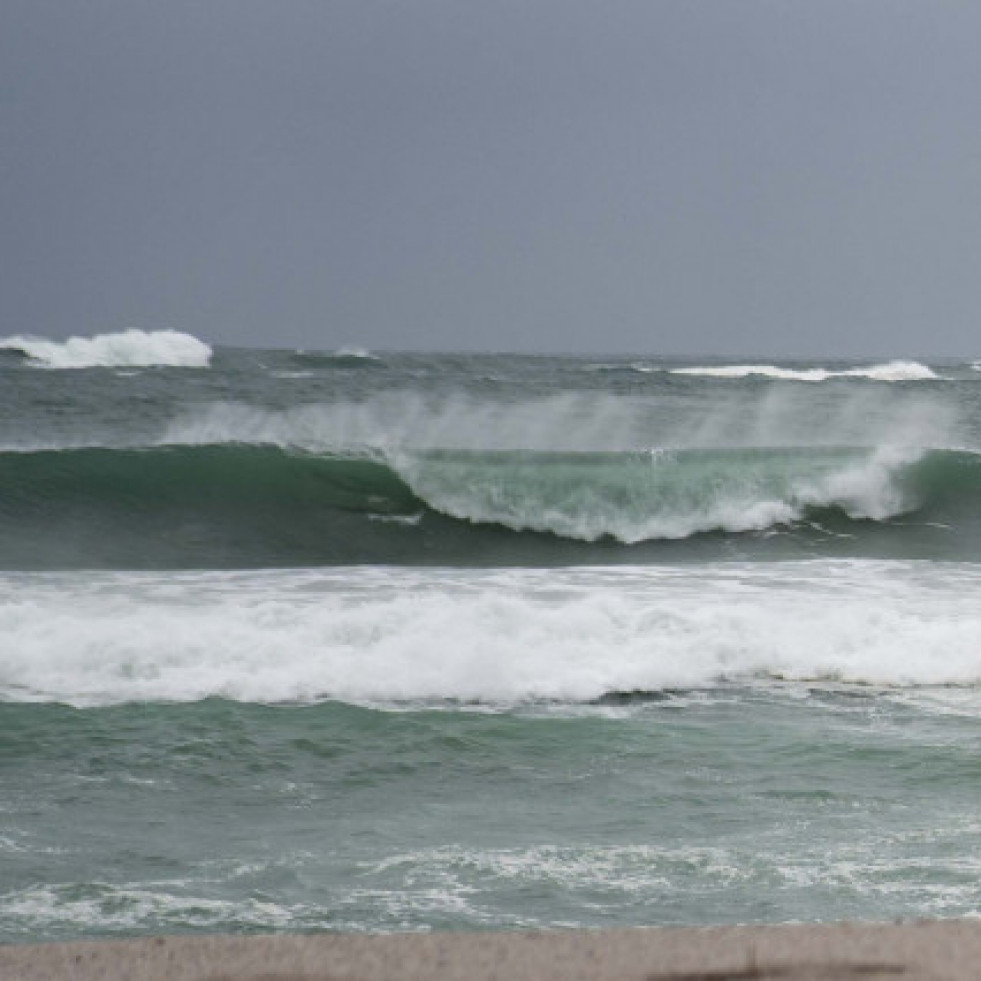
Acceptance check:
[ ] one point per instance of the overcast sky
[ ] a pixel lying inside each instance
(780, 177)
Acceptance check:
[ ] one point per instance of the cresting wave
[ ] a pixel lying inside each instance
(379, 635)
(666, 494)
(893, 371)
(232, 505)
(128, 348)
(343, 357)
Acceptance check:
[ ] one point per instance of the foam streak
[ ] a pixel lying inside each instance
(893, 371)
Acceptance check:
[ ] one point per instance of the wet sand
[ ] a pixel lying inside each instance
(922, 950)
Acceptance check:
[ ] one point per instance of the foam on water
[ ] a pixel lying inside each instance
(378, 635)
(586, 885)
(785, 874)
(893, 371)
(108, 908)
(128, 348)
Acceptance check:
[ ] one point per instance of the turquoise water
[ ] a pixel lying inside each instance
(296, 641)
(738, 804)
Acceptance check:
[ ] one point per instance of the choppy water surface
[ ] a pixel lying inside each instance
(303, 640)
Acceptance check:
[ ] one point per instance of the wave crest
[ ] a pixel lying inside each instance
(893, 371)
(233, 505)
(125, 349)
(660, 495)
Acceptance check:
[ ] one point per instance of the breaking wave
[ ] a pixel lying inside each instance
(231, 505)
(128, 348)
(343, 357)
(667, 494)
(893, 371)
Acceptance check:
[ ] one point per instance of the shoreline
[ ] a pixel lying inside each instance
(947, 950)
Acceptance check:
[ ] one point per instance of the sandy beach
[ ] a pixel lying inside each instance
(924, 950)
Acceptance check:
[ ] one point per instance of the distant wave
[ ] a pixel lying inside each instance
(355, 352)
(128, 348)
(623, 366)
(893, 371)
(349, 356)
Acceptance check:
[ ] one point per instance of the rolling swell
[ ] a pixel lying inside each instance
(248, 506)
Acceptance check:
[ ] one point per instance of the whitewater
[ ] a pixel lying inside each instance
(362, 640)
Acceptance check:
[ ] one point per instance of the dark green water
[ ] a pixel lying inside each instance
(246, 506)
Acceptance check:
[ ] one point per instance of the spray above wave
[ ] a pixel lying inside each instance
(893, 371)
(128, 348)
(398, 419)
(500, 637)
(227, 505)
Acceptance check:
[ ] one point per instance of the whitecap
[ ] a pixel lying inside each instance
(893, 371)
(127, 349)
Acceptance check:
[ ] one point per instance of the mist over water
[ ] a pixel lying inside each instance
(402, 641)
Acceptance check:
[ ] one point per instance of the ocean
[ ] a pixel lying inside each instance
(301, 640)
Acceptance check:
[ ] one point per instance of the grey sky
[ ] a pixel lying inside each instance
(732, 176)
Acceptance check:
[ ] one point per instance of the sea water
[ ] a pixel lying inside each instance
(299, 640)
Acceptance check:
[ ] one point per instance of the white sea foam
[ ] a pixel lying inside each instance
(893, 371)
(638, 366)
(876, 866)
(40, 909)
(128, 348)
(377, 635)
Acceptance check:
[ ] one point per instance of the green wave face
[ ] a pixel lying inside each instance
(636, 497)
(174, 507)
(232, 505)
